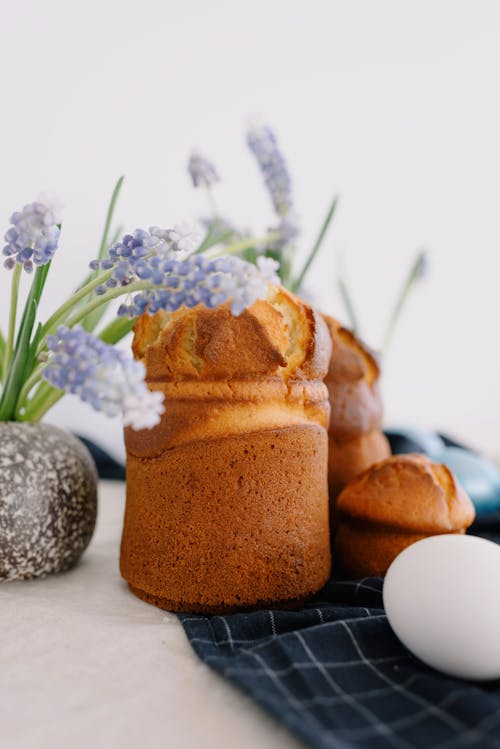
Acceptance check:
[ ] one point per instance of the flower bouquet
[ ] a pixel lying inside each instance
(47, 478)
(74, 351)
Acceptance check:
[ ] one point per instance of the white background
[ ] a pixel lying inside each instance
(391, 104)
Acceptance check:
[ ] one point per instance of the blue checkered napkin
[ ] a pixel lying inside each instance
(337, 676)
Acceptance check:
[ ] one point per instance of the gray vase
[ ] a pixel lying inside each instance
(48, 500)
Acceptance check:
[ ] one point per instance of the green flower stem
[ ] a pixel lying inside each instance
(109, 217)
(11, 331)
(246, 244)
(79, 314)
(39, 406)
(22, 360)
(28, 386)
(414, 275)
(211, 239)
(2, 351)
(117, 329)
(212, 203)
(92, 321)
(349, 305)
(319, 241)
(60, 314)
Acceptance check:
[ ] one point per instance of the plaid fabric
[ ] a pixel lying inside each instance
(338, 677)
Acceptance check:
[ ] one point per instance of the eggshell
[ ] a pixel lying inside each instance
(442, 599)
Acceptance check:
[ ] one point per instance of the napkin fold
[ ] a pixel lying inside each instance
(337, 676)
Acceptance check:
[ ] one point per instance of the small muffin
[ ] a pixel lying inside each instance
(355, 437)
(393, 504)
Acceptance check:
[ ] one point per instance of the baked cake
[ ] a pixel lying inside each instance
(355, 436)
(393, 504)
(227, 498)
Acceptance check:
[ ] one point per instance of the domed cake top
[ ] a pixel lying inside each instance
(353, 360)
(280, 336)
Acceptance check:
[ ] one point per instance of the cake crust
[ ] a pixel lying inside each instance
(229, 522)
(227, 498)
(355, 437)
(391, 505)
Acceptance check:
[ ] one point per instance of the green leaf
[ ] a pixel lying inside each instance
(211, 239)
(414, 275)
(93, 319)
(117, 329)
(109, 218)
(349, 305)
(22, 363)
(250, 255)
(298, 281)
(2, 354)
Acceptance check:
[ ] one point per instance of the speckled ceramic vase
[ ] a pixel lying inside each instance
(48, 500)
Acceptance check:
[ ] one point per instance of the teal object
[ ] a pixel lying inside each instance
(478, 476)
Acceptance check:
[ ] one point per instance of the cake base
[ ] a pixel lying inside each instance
(185, 607)
(230, 523)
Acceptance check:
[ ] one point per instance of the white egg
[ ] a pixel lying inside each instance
(442, 599)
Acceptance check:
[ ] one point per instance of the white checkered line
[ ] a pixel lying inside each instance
(307, 665)
(473, 734)
(406, 721)
(269, 638)
(294, 703)
(273, 623)
(324, 701)
(450, 720)
(229, 640)
(489, 720)
(359, 585)
(377, 728)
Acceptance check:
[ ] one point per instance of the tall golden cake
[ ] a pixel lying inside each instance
(227, 498)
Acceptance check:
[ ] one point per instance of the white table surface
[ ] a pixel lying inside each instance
(84, 664)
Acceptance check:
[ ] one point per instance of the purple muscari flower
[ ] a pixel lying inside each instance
(202, 171)
(127, 257)
(200, 280)
(102, 376)
(263, 144)
(33, 237)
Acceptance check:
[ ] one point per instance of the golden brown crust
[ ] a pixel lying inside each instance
(227, 498)
(408, 492)
(230, 522)
(352, 382)
(391, 505)
(359, 552)
(281, 336)
(355, 437)
(346, 460)
(353, 360)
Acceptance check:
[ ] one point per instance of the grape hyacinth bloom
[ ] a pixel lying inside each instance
(102, 376)
(263, 143)
(126, 258)
(202, 171)
(33, 237)
(173, 284)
